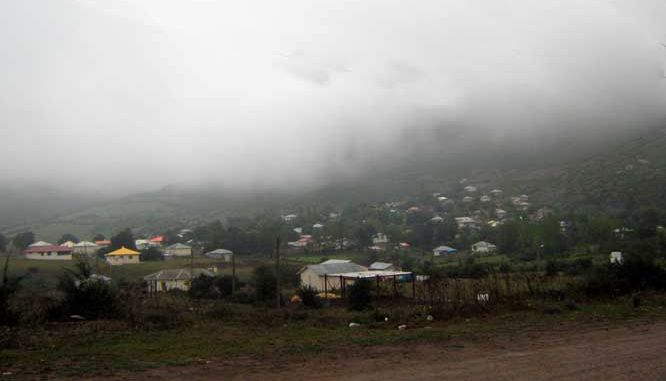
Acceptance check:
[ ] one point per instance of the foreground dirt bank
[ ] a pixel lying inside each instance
(632, 351)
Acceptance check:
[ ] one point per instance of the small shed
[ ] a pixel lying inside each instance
(174, 279)
(178, 250)
(443, 250)
(616, 257)
(220, 253)
(484, 247)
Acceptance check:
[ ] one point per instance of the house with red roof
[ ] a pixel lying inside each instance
(50, 252)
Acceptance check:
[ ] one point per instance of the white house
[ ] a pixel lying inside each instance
(485, 198)
(465, 222)
(289, 218)
(380, 239)
(40, 243)
(616, 257)
(314, 275)
(500, 213)
(437, 219)
(174, 279)
(178, 250)
(483, 247)
(49, 252)
(467, 199)
(470, 189)
(443, 250)
(318, 226)
(220, 253)
(68, 244)
(496, 192)
(141, 244)
(85, 248)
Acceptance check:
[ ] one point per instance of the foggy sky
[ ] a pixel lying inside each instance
(131, 95)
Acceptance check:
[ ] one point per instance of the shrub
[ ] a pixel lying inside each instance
(224, 284)
(8, 288)
(309, 297)
(360, 295)
(265, 283)
(579, 266)
(203, 287)
(218, 311)
(89, 297)
(152, 254)
(636, 273)
(505, 267)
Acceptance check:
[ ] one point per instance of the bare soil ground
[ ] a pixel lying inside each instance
(630, 351)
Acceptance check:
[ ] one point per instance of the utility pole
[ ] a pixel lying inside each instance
(277, 270)
(191, 266)
(233, 272)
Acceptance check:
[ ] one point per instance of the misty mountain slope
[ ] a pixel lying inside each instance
(622, 175)
(629, 174)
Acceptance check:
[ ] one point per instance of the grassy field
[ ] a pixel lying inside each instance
(43, 275)
(105, 347)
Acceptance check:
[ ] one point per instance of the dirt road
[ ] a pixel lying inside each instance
(634, 351)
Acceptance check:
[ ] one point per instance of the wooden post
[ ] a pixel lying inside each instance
(326, 288)
(277, 270)
(342, 287)
(413, 285)
(395, 286)
(233, 273)
(377, 279)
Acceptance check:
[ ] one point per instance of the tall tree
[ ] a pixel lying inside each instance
(68, 237)
(23, 240)
(3, 242)
(123, 239)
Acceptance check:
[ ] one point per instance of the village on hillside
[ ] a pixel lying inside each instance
(464, 231)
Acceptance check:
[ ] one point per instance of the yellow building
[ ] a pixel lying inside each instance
(123, 256)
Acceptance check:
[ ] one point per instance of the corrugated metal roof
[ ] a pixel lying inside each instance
(40, 243)
(48, 249)
(219, 252)
(380, 266)
(177, 274)
(335, 267)
(179, 246)
(85, 244)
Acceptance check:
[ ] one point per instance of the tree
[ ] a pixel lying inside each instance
(360, 295)
(86, 296)
(99, 237)
(507, 237)
(265, 283)
(152, 254)
(3, 242)
(647, 226)
(123, 239)
(68, 237)
(22, 240)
